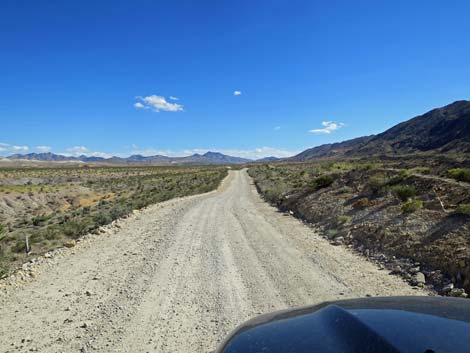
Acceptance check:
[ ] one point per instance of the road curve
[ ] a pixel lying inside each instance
(180, 276)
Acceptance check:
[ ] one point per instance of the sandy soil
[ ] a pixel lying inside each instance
(180, 276)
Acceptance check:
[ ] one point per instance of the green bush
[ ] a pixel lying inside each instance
(3, 267)
(399, 178)
(50, 233)
(332, 233)
(272, 195)
(368, 166)
(459, 174)
(2, 232)
(39, 220)
(411, 206)
(75, 228)
(3, 259)
(323, 181)
(343, 219)
(463, 209)
(404, 192)
(102, 218)
(345, 190)
(19, 246)
(421, 170)
(377, 183)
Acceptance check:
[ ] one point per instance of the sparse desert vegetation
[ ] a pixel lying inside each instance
(45, 208)
(387, 209)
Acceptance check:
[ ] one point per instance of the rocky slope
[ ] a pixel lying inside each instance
(442, 130)
(414, 221)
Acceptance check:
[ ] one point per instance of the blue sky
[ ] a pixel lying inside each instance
(101, 77)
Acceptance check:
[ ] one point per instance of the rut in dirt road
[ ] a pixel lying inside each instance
(181, 276)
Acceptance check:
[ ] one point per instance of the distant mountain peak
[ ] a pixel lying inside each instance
(213, 154)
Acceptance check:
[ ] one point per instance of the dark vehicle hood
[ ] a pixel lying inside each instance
(372, 325)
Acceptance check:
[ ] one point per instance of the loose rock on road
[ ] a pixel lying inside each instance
(180, 276)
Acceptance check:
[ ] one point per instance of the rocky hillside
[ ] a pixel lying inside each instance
(414, 221)
(331, 149)
(442, 130)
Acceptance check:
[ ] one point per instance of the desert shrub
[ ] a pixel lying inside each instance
(459, 174)
(19, 246)
(323, 181)
(102, 218)
(3, 268)
(39, 220)
(411, 206)
(342, 166)
(3, 265)
(463, 209)
(399, 178)
(84, 211)
(404, 192)
(368, 166)
(2, 232)
(3, 259)
(345, 190)
(344, 219)
(272, 195)
(377, 183)
(75, 228)
(361, 204)
(120, 210)
(331, 233)
(50, 233)
(422, 170)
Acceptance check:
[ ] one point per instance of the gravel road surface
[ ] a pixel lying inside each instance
(179, 276)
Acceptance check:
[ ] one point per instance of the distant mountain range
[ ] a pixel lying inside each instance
(267, 159)
(441, 130)
(208, 158)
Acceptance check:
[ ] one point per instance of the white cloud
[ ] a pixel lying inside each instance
(261, 152)
(20, 148)
(43, 148)
(78, 149)
(329, 126)
(3, 149)
(173, 98)
(277, 128)
(237, 93)
(98, 154)
(157, 103)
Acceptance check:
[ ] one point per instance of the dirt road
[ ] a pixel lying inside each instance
(180, 276)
